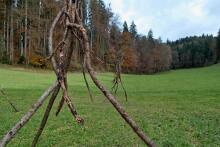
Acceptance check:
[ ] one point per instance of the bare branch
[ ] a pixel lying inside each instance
(59, 15)
(27, 116)
(46, 115)
(60, 106)
(83, 64)
(7, 99)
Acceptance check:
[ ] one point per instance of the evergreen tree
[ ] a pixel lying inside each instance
(125, 27)
(218, 46)
(150, 35)
(194, 51)
(133, 29)
(150, 38)
(160, 40)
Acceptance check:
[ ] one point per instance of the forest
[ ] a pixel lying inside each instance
(24, 29)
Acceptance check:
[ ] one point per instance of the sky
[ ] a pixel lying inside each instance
(170, 19)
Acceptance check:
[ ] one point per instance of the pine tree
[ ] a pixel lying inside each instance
(218, 46)
(133, 29)
(150, 35)
(125, 27)
(150, 38)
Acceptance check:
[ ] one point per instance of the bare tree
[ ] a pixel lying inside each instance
(26, 33)
(12, 35)
(60, 57)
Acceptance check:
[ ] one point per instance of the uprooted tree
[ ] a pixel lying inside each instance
(71, 15)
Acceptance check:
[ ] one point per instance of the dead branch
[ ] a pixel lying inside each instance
(50, 40)
(85, 79)
(83, 66)
(7, 99)
(118, 80)
(10, 134)
(62, 74)
(61, 68)
(46, 115)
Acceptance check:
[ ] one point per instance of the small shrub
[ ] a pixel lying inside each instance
(4, 59)
(21, 60)
(38, 61)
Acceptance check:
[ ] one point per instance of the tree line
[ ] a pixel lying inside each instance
(196, 51)
(24, 40)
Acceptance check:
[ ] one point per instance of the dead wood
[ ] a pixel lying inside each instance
(11, 133)
(8, 100)
(46, 115)
(118, 80)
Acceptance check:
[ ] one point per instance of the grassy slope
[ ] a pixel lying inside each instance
(176, 108)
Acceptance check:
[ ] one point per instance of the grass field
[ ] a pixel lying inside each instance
(176, 108)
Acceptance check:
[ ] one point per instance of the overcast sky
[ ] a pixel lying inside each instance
(171, 19)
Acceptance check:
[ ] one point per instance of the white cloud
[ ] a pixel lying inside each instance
(170, 18)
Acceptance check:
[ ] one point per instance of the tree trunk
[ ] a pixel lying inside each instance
(39, 26)
(7, 13)
(26, 34)
(12, 36)
(4, 31)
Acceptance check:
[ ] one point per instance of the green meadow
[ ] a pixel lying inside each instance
(178, 108)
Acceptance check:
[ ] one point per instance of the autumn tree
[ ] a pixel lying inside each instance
(128, 54)
(99, 27)
(114, 45)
